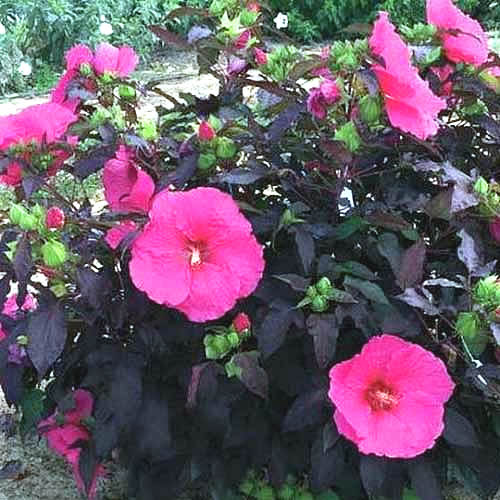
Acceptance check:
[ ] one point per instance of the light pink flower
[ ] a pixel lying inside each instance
(444, 73)
(78, 55)
(117, 234)
(204, 250)
(118, 61)
(127, 188)
(390, 398)
(469, 44)
(11, 309)
(322, 97)
(409, 102)
(260, 56)
(494, 227)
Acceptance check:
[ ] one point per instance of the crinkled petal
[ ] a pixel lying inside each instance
(78, 55)
(106, 58)
(127, 61)
(116, 235)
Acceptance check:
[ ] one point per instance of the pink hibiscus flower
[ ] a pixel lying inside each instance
(469, 44)
(494, 227)
(409, 102)
(390, 398)
(78, 55)
(127, 188)
(117, 234)
(11, 309)
(62, 438)
(118, 61)
(204, 250)
(322, 97)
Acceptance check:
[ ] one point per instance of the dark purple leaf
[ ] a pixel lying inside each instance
(336, 150)
(94, 287)
(326, 465)
(439, 207)
(308, 409)
(87, 464)
(47, 333)
(169, 38)
(388, 246)
(370, 290)
(298, 283)
(272, 332)
(284, 121)
(330, 435)
(186, 169)
(305, 247)
(369, 79)
(324, 330)
(388, 221)
(31, 183)
(94, 161)
(252, 375)
(244, 176)
(490, 125)
(423, 479)
(23, 263)
(458, 431)
(413, 298)
(382, 476)
(411, 270)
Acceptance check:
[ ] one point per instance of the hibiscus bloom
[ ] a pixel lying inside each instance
(117, 234)
(118, 61)
(203, 250)
(409, 102)
(389, 398)
(322, 97)
(10, 308)
(63, 437)
(469, 44)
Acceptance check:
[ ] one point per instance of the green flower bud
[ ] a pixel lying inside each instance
(286, 492)
(85, 69)
(481, 186)
(16, 213)
(208, 340)
(265, 493)
(319, 304)
(54, 253)
(39, 212)
(348, 134)
(324, 286)
(470, 328)
(28, 222)
(211, 352)
(221, 344)
(106, 78)
(147, 130)
(487, 292)
(233, 339)
(206, 161)
(248, 17)
(126, 92)
(369, 108)
(348, 60)
(22, 340)
(311, 292)
(226, 148)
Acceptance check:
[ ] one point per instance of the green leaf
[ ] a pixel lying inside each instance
(32, 408)
(370, 290)
(349, 227)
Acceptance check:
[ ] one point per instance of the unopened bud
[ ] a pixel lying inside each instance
(226, 148)
(54, 218)
(206, 161)
(206, 132)
(370, 109)
(54, 253)
(324, 286)
(241, 322)
(126, 92)
(319, 304)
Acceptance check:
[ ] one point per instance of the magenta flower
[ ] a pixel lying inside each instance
(204, 250)
(469, 43)
(117, 234)
(127, 188)
(13, 175)
(241, 322)
(206, 132)
(117, 61)
(11, 309)
(63, 437)
(54, 219)
(409, 102)
(494, 227)
(78, 55)
(242, 41)
(322, 97)
(260, 57)
(390, 398)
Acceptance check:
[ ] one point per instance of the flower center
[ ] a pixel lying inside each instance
(195, 258)
(381, 397)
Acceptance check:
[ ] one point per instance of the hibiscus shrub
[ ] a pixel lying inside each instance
(287, 290)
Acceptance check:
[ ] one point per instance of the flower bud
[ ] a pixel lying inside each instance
(221, 345)
(481, 186)
(487, 292)
(242, 41)
(226, 148)
(54, 218)
(28, 222)
(311, 292)
(494, 227)
(348, 134)
(319, 304)
(106, 78)
(248, 17)
(253, 6)
(147, 130)
(85, 69)
(126, 92)
(324, 286)
(241, 322)
(469, 327)
(16, 213)
(206, 161)
(369, 108)
(206, 132)
(54, 253)
(260, 57)
(233, 339)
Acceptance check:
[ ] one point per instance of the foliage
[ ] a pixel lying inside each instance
(364, 229)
